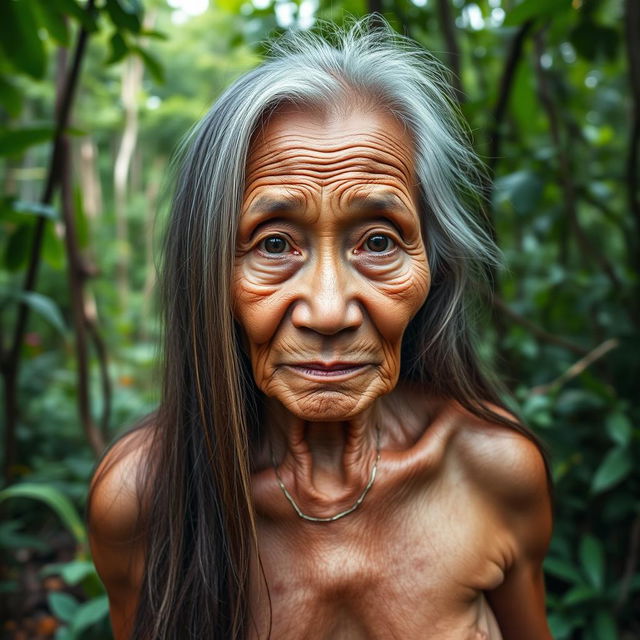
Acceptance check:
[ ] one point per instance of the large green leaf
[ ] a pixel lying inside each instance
(53, 499)
(10, 97)
(561, 626)
(32, 208)
(152, 65)
(118, 48)
(19, 38)
(124, 16)
(531, 9)
(615, 467)
(562, 569)
(63, 605)
(45, 307)
(89, 613)
(18, 246)
(52, 20)
(71, 572)
(592, 559)
(153, 33)
(619, 428)
(16, 141)
(605, 626)
(73, 9)
(53, 250)
(580, 594)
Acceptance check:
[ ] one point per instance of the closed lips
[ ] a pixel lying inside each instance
(338, 370)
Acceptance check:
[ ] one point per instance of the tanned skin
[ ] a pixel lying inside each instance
(330, 269)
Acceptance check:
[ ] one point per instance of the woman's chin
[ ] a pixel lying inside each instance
(328, 406)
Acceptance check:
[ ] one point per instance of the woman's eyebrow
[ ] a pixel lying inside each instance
(373, 203)
(377, 202)
(273, 205)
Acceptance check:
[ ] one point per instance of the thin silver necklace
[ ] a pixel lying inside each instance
(342, 514)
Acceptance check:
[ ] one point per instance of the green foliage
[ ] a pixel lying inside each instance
(77, 617)
(53, 499)
(559, 205)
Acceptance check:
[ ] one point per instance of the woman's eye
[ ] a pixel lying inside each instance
(274, 244)
(378, 243)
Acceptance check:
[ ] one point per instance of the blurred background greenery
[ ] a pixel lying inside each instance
(94, 97)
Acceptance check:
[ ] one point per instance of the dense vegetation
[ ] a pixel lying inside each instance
(94, 97)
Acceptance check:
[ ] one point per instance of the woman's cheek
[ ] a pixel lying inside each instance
(405, 282)
(260, 309)
(260, 271)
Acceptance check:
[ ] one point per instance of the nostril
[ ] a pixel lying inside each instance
(326, 316)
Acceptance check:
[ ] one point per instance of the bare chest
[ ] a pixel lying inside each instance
(410, 569)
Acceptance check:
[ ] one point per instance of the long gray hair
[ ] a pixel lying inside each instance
(200, 525)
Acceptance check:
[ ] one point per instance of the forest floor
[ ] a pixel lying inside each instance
(24, 608)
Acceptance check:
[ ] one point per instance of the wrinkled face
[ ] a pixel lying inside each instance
(330, 264)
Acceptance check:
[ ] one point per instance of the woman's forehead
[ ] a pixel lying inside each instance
(337, 152)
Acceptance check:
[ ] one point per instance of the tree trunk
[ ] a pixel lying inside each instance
(131, 84)
(90, 178)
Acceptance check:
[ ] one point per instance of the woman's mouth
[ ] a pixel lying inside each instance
(333, 370)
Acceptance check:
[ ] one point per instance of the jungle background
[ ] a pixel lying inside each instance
(95, 96)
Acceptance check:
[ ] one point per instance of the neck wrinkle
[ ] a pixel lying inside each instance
(325, 465)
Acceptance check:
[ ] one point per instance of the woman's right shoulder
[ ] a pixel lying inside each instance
(117, 518)
(116, 505)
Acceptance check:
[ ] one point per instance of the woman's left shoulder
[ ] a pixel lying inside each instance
(506, 472)
(506, 464)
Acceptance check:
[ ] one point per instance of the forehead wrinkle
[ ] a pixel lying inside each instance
(278, 152)
(369, 164)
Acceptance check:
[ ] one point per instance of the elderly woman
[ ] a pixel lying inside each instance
(329, 459)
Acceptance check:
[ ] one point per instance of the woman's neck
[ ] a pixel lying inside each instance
(327, 461)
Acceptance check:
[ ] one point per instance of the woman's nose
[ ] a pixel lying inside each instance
(327, 304)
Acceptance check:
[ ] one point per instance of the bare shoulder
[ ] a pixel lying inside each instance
(505, 472)
(115, 503)
(506, 468)
(116, 513)
(503, 459)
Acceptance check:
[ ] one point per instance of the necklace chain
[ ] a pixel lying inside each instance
(341, 514)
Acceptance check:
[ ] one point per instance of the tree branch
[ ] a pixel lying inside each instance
(77, 278)
(506, 85)
(448, 26)
(63, 114)
(566, 170)
(105, 379)
(631, 564)
(578, 367)
(632, 37)
(540, 333)
(11, 360)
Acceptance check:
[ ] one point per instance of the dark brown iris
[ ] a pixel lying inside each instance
(378, 243)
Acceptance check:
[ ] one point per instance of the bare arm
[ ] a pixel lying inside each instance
(116, 543)
(525, 506)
